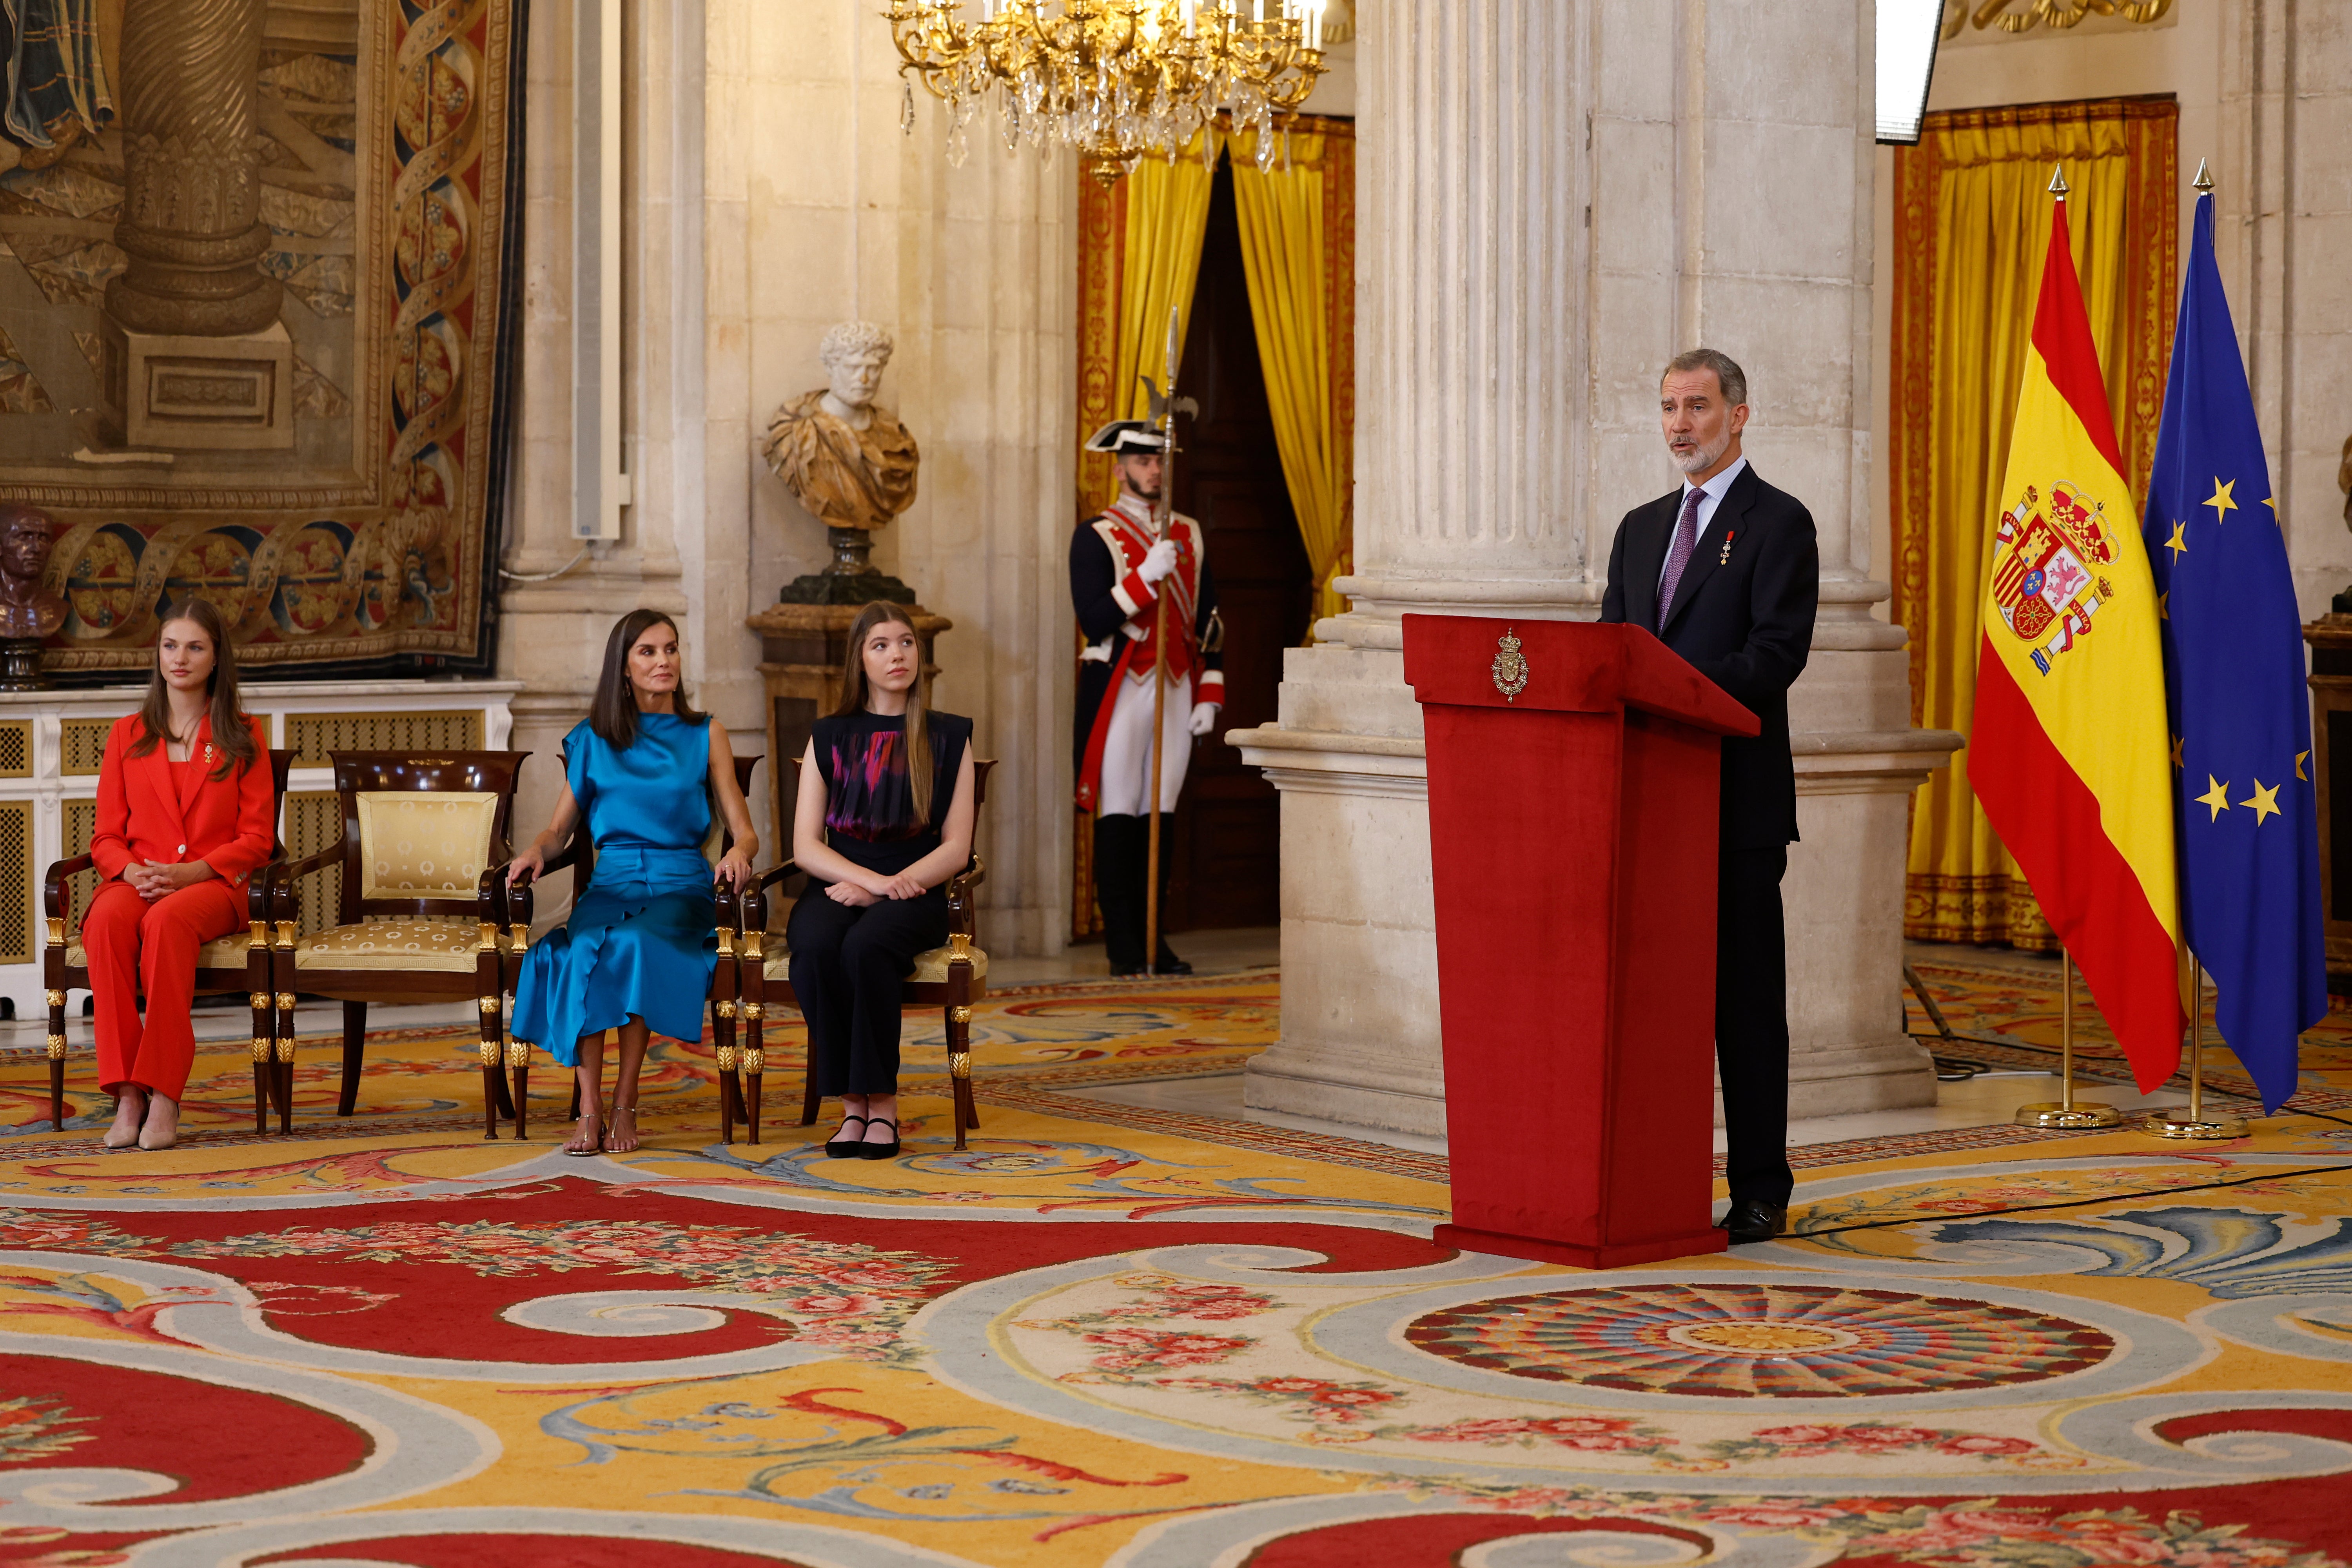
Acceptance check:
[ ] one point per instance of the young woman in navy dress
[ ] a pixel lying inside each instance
(637, 952)
(883, 818)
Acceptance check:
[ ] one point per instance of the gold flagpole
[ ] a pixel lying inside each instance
(2197, 1123)
(2066, 1112)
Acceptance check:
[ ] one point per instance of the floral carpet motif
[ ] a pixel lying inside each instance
(1103, 1336)
(1776, 1341)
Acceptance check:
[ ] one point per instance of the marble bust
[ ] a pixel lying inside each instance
(846, 459)
(28, 609)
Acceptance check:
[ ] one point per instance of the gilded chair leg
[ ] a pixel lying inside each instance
(285, 1053)
(57, 1049)
(347, 1098)
(490, 1095)
(519, 1065)
(265, 1042)
(755, 1062)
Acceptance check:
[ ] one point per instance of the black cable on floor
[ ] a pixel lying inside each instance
(2079, 1203)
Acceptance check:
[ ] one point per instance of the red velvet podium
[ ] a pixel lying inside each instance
(1573, 774)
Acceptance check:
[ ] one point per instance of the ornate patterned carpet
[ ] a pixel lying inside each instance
(1104, 1335)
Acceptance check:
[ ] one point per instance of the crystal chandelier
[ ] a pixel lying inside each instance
(1117, 80)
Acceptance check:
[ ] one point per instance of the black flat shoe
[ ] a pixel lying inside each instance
(846, 1148)
(880, 1151)
(1171, 965)
(1751, 1221)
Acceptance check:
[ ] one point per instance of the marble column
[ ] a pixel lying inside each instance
(1553, 201)
(195, 354)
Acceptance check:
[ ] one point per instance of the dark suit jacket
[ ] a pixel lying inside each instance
(1745, 619)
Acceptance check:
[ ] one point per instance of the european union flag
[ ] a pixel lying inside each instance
(2240, 712)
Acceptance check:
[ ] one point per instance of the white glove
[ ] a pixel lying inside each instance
(1204, 717)
(1157, 562)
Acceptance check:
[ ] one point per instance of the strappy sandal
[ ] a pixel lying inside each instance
(592, 1149)
(846, 1148)
(636, 1143)
(880, 1151)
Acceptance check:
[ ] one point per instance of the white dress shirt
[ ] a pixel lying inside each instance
(1711, 496)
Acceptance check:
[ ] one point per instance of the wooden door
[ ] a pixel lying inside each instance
(1227, 870)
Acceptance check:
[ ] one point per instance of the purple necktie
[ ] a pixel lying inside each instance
(1679, 554)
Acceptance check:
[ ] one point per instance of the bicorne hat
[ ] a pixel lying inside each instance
(1122, 436)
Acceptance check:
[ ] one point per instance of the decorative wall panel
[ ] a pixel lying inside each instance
(254, 312)
(314, 738)
(17, 926)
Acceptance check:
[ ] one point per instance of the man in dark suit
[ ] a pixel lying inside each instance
(1726, 572)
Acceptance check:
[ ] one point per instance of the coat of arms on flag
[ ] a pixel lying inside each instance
(2045, 565)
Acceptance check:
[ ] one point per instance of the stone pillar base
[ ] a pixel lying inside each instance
(198, 394)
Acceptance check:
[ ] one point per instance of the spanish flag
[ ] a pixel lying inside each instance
(2070, 752)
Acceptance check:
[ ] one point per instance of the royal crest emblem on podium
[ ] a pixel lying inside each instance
(1510, 666)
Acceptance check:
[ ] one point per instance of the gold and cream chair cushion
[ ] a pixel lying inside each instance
(222, 952)
(424, 844)
(930, 968)
(395, 941)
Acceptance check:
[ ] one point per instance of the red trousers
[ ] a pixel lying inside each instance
(131, 941)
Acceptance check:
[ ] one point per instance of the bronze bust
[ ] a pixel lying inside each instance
(28, 609)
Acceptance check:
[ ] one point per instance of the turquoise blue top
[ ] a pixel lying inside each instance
(640, 941)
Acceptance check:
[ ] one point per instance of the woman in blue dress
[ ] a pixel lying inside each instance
(637, 952)
(883, 819)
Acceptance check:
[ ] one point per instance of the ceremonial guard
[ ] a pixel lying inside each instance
(1124, 564)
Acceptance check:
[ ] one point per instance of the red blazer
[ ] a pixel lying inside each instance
(229, 823)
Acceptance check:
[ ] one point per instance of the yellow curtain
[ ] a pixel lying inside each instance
(1972, 219)
(1284, 255)
(1167, 218)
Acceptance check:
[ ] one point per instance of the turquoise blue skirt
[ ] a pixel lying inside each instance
(639, 945)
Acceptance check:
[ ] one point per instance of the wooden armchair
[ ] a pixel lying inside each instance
(238, 961)
(416, 917)
(580, 855)
(953, 977)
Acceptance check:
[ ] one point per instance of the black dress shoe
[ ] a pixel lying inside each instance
(873, 1150)
(1169, 964)
(1752, 1220)
(844, 1147)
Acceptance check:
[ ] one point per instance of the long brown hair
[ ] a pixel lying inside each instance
(919, 723)
(231, 735)
(614, 714)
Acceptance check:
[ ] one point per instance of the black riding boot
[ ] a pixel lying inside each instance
(1166, 961)
(1119, 853)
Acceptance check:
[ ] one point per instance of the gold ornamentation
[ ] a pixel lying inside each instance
(260, 1048)
(958, 947)
(57, 1047)
(2060, 13)
(519, 938)
(726, 942)
(727, 1008)
(55, 998)
(1117, 80)
(286, 1050)
(286, 935)
(286, 1001)
(726, 1058)
(259, 1001)
(755, 945)
(490, 1053)
(755, 1059)
(489, 938)
(959, 1064)
(754, 1011)
(57, 931)
(960, 1015)
(1510, 666)
(518, 1053)
(257, 934)
(490, 1006)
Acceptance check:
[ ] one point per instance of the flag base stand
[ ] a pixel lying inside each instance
(2066, 1113)
(2192, 1122)
(2175, 1125)
(2070, 1116)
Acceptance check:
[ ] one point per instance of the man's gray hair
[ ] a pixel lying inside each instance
(852, 339)
(1727, 373)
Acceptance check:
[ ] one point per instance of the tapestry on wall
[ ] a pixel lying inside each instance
(254, 320)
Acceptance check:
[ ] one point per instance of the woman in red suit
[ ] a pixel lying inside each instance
(186, 812)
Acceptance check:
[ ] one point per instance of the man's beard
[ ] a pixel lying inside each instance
(1139, 493)
(1701, 459)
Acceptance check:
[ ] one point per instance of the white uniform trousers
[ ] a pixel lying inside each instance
(1127, 750)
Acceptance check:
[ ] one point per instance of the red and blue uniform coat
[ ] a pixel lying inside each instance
(1118, 614)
